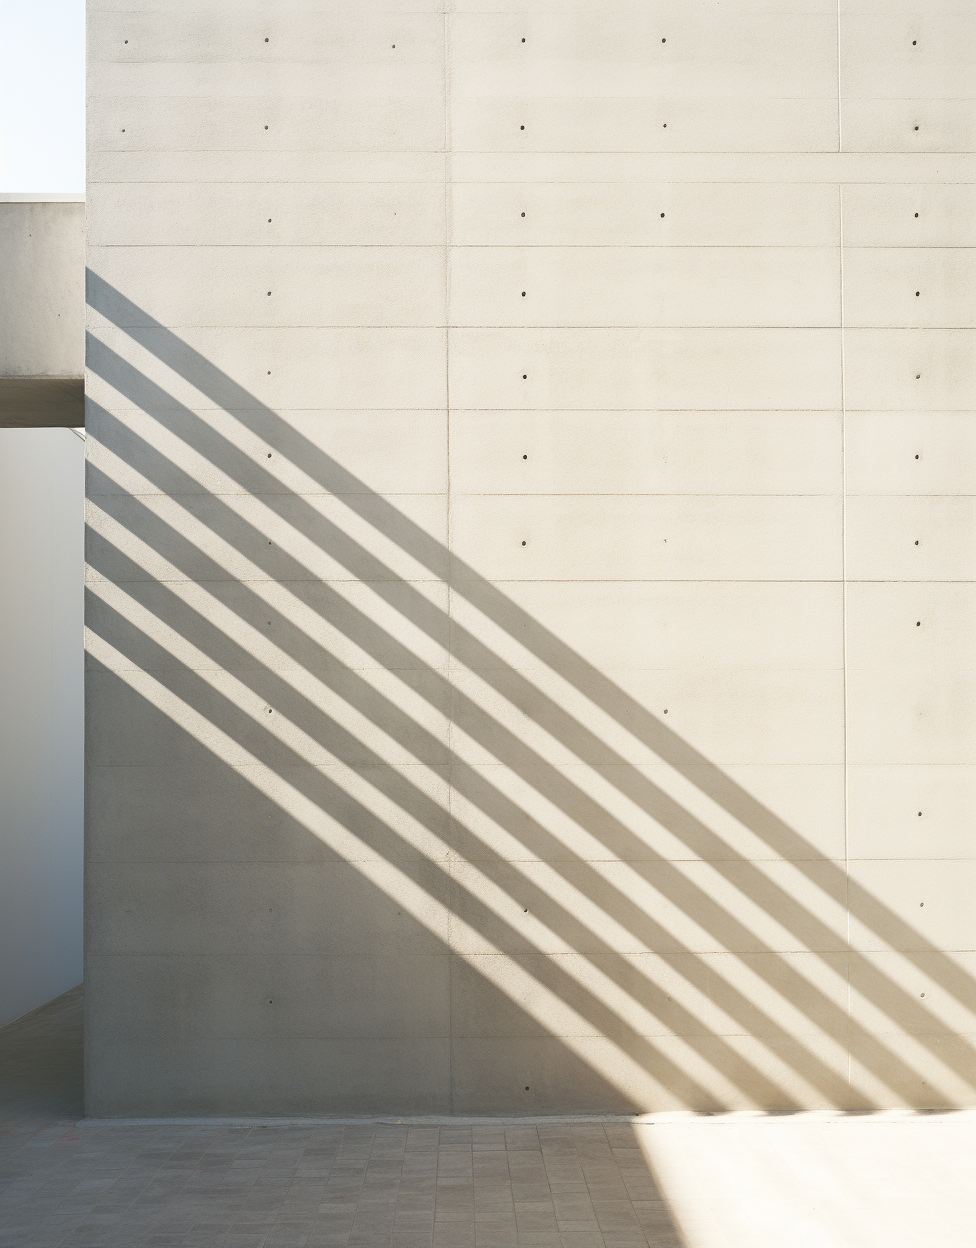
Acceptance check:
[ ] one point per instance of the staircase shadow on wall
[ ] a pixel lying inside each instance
(416, 860)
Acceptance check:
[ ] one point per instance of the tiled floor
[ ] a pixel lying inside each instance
(743, 1181)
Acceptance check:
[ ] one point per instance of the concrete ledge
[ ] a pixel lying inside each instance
(677, 1118)
(42, 402)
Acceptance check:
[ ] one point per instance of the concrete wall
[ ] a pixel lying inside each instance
(42, 311)
(530, 557)
(42, 726)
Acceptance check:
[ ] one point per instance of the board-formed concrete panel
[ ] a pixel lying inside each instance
(514, 683)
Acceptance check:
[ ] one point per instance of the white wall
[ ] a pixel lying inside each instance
(42, 721)
(518, 680)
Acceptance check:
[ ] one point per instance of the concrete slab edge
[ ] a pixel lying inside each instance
(678, 1119)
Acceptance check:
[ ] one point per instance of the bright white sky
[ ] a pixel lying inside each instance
(42, 96)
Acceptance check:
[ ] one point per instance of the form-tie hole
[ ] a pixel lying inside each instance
(916, 214)
(918, 623)
(916, 127)
(919, 814)
(665, 711)
(917, 293)
(525, 376)
(523, 127)
(525, 457)
(523, 41)
(665, 125)
(662, 214)
(922, 994)
(526, 1087)
(664, 40)
(523, 294)
(266, 41)
(523, 543)
(914, 42)
(265, 127)
(269, 292)
(916, 543)
(269, 454)
(269, 220)
(916, 457)
(918, 376)
(523, 214)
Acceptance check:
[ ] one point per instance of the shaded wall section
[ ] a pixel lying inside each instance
(42, 474)
(513, 677)
(42, 311)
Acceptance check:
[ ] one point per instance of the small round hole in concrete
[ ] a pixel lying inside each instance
(269, 454)
(525, 376)
(523, 543)
(916, 127)
(523, 214)
(665, 712)
(918, 623)
(919, 814)
(664, 40)
(917, 293)
(662, 214)
(916, 214)
(916, 457)
(916, 543)
(525, 457)
(521, 127)
(523, 294)
(266, 41)
(265, 127)
(526, 1087)
(918, 376)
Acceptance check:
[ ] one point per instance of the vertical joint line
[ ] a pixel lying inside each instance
(843, 539)
(448, 175)
(840, 131)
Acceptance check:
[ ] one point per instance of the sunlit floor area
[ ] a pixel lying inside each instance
(836, 1181)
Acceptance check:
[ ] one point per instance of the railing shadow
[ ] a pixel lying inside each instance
(565, 956)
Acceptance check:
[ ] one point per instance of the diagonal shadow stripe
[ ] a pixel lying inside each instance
(489, 599)
(744, 876)
(693, 901)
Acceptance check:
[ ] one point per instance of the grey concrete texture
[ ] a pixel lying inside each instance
(42, 774)
(528, 654)
(42, 314)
